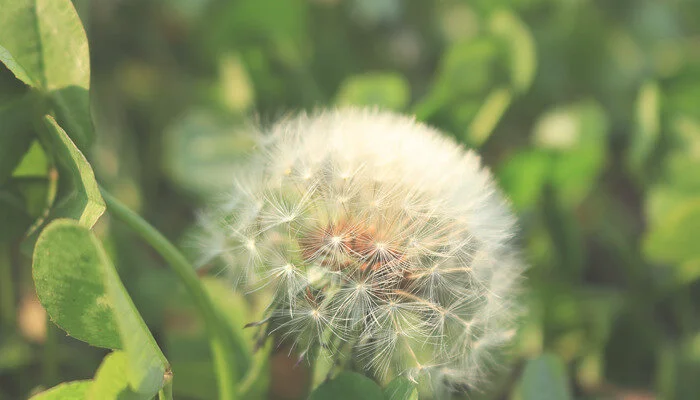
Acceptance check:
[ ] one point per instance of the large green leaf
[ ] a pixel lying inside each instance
(69, 282)
(82, 293)
(111, 381)
(387, 90)
(44, 44)
(65, 391)
(348, 386)
(79, 196)
(544, 378)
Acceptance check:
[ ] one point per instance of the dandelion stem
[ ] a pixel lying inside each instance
(221, 348)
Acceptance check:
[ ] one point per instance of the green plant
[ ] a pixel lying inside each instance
(586, 110)
(75, 279)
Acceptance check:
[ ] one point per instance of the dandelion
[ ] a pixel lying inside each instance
(378, 239)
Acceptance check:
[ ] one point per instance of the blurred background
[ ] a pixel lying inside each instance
(588, 111)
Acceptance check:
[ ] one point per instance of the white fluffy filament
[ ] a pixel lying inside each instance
(375, 233)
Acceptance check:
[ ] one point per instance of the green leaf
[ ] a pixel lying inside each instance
(16, 134)
(44, 44)
(111, 380)
(661, 201)
(387, 90)
(466, 70)
(467, 67)
(521, 48)
(401, 389)
(82, 293)
(79, 196)
(576, 136)
(566, 234)
(68, 276)
(9, 61)
(35, 192)
(348, 386)
(65, 391)
(544, 378)
(661, 208)
(523, 176)
(487, 117)
(13, 215)
(147, 364)
(236, 91)
(33, 164)
(685, 156)
(646, 134)
(673, 239)
(11, 88)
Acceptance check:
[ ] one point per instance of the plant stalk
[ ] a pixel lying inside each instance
(221, 348)
(166, 393)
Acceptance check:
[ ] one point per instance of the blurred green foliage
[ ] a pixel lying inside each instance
(588, 111)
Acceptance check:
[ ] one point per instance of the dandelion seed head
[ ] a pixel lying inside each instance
(372, 232)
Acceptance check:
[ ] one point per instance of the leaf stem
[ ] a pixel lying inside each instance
(222, 351)
(166, 393)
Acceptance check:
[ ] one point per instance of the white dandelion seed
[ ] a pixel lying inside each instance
(377, 236)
